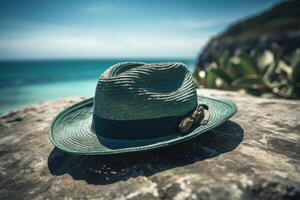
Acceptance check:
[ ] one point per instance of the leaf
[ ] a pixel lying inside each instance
(296, 74)
(266, 59)
(249, 63)
(295, 58)
(240, 67)
(210, 80)
(249, 82)
(286, 68)
(221, 73)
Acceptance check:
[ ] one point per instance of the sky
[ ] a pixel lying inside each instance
(46, 29)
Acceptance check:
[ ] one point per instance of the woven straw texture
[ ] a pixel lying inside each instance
(71, 130)
(133, 91)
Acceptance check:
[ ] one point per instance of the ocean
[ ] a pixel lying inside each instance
(23, 83)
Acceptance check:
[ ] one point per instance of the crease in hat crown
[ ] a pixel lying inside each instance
(136, 90)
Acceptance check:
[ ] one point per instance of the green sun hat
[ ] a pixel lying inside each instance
(138, 107)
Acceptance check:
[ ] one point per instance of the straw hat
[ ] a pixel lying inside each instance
(138, 106)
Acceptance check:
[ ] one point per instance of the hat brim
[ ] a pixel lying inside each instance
(71, 131)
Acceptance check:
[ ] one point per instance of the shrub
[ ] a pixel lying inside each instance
(267, 74)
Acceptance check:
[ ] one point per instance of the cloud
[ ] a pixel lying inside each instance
(127, 45)
(55, 41)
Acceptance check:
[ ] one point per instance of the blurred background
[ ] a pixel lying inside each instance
(51, 49)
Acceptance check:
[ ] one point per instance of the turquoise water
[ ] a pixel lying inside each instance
(23, 83)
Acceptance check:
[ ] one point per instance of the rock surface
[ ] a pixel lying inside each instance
(255, 155)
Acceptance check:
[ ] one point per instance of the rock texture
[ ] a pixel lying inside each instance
(278, 26)
(255, 155)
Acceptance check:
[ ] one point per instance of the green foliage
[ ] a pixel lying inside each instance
(267, 74)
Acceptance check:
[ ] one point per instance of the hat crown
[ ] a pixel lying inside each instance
(135, 91)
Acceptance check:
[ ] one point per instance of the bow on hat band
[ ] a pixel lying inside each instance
(200, 116)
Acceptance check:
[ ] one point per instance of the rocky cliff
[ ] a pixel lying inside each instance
(278, 26)
(255, 155)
